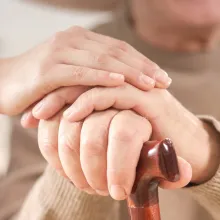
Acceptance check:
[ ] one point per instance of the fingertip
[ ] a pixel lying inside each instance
(28, 120)
(46, 111)
(117, 192)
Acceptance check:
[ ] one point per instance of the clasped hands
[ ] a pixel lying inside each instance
(96, 100)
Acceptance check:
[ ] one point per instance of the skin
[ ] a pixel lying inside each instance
(195, 138)
(71, 58)
(183, 26)
(85, 157)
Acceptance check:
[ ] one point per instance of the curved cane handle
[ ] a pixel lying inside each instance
(157, 161)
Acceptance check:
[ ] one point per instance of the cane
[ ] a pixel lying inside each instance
(157, 162)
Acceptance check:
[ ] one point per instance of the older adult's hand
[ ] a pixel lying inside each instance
(73, 57)
(195, 141)
(100, 154)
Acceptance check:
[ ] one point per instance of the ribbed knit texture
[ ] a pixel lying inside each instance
(54, 198)
(208, 194)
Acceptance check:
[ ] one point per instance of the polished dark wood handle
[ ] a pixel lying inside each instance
(158, 161)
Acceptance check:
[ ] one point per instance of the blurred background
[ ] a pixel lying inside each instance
(25, 23)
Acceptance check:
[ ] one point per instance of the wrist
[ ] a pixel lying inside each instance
(194, 140)
(210, 163)
(198, 143)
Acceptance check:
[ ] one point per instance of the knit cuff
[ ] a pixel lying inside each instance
(208, 194)
(211, 120)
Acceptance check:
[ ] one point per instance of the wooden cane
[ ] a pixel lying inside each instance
(157, 162)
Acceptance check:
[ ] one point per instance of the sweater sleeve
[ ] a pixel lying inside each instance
(208, 194)
(55, 198)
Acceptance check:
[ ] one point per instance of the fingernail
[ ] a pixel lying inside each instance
(117, 192)
(147, 80)
(102, 193)
(116, 76)
(162, 77)
(38, 106)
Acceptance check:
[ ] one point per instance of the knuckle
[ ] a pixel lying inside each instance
(123, 45)
(77, 29)
(79, 73)
(93, 147)
(100, 59)
(91, 94)
(48, 146)
(56, 97)
(131, 132)
(67, 144)
(56, 41)
(123, 135)
(114, 52)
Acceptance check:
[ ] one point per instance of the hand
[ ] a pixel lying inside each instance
(100, 154)
(73, 57)
(195, 140)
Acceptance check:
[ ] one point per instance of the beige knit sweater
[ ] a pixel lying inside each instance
(54, 198)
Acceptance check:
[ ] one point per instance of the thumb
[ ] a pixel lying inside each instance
(185, 176)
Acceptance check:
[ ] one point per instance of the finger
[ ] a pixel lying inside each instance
(185, 176)
(48, 142)
(161, 77)
(150, 69)
(55, 101)
(28, 120)
(93, 149)
(106, 40)
(98, 62)
(69, 153)
(117, 43)
(76, 75)
(126, 97)
(128, 131)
